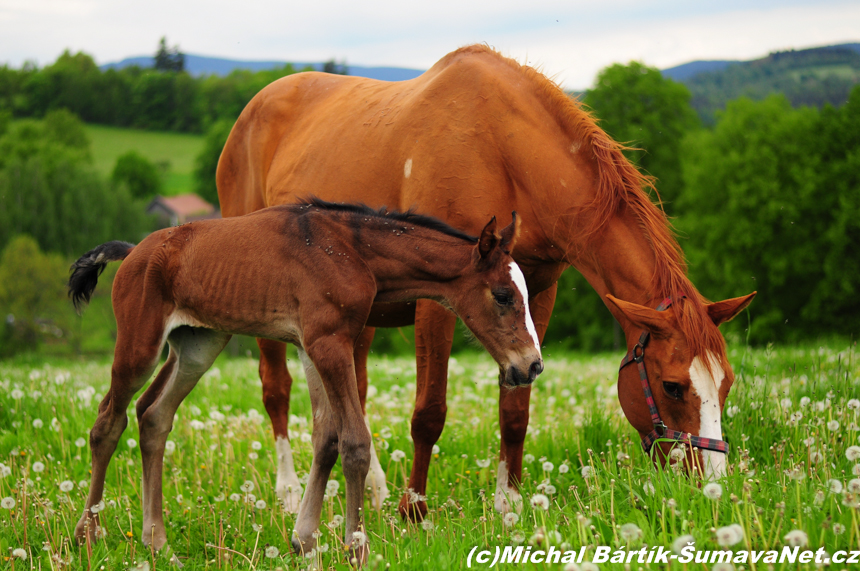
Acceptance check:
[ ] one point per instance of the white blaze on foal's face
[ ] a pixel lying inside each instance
(520, 281)
(708, 390)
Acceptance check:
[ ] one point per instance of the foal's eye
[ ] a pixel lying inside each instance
(674, 390)
(503, 298)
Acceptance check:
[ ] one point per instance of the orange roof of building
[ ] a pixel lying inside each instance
(186, 204)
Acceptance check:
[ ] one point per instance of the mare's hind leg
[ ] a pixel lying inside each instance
(277, 383)
(136, 356)
(375, 475)
(192, 351)
(434, 334)
(514, 417)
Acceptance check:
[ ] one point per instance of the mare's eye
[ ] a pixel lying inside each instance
(674, 390)
(503, 298)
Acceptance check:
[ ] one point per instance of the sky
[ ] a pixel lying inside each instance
(570, 40)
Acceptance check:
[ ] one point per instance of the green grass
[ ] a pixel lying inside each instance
(790, 419)
(174, 152)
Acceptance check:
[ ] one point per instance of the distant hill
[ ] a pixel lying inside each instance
(812, 77)
(204, 65)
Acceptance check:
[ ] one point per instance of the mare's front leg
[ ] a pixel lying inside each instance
(338, 428)
(277, 383)
(514, 417)
(434, 334)
(192, 352)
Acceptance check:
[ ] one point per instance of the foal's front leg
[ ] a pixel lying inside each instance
(339, 421)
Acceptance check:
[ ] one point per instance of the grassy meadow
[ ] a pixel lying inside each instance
(173, 153)
(791, 419)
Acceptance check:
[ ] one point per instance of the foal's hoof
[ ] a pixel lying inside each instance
(412, 509)
(303, 548)
(88, 530)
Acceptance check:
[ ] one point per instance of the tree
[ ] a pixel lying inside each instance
(332, 66)
(636, 105)
(207, 161)
(169, 59)
(138, 174)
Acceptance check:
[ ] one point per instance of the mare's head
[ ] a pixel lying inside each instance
(689, 390)
(492, 300)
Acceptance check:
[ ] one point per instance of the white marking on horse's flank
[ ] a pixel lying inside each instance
(287, 486)
(575, 146)
(709, 415)
(520, 281)
(407, 168)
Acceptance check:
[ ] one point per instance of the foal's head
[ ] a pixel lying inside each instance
(492, 300)
(689, 390)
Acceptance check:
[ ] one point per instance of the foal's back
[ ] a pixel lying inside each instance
(257, 274)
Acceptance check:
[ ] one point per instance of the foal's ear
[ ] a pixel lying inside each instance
(657, 322)
(489, 239)
(728, 309)
(510, 233)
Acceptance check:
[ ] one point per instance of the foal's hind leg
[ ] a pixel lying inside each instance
(192, 351)
(134, 361)
(277, 383)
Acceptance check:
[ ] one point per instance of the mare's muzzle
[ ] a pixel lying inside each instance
(516, 377)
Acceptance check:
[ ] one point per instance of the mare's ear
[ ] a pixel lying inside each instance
(510, 233)
(728, 309)
(657, 322)
(489, 239)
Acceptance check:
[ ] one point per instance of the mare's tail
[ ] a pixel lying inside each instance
(86, 271)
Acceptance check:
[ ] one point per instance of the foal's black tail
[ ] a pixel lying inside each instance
(86, 271)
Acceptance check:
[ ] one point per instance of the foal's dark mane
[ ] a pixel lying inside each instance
(408, 217)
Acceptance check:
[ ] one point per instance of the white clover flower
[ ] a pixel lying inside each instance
(548, 466)
(835, 486)
(563, 469)
(398, 455)
(7, 503)
(713, 491)
(681, 542)
(483, 463)
(587, 472)
(247, 486)
(833, 425)
(38, 467)
(272, 552)
(511, 519)
(540, 501)
(67, 486)
(260, 505)
(796, 538)
(630, 532)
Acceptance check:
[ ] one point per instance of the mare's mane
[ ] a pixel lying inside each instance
(622, 185)
(408, 217)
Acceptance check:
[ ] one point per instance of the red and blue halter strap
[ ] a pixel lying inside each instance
(661, 431)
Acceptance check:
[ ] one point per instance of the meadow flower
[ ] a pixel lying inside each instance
(728, 535)
(247, 486)
(398, 455)
(256, 445)
(37, 423)
(835, 486)
(272, 552)
(250, 499)
(336, 521)
(260, 505)
(19, 553)
(253, 455)
(548, 467)
(795, 417)
(630, 532)
(197, 425)
(4, 470)
(482, 463)
(786, 402)
(677, 454)
(518, 537)
(853, 404)
(804, 401)
(833, 425)
(80, 442)
(587, 472)
(528, 458)
(563, 469)
(796, 474)
(331, 488)
(723, 566)
(219, 497)
(681, 542)
(67, 486)
(83, 484)
(540, 501)
(713, 491)
(838, 528)
(7, 503)
(796, 538)
(427, 525)
(819, 498)
(815, 457)
(38, 467)
(98, 507)
(358, 538)
(549, 489)
(732, 411)
(511, 519)
(648, 487)
(234, 497)
(17, 394)
(131, 443)
(853, 453)
(435, 449)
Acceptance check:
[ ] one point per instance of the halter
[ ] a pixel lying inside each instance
(661, 431)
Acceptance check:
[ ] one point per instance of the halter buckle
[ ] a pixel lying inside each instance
(641, 355)
(661, 429)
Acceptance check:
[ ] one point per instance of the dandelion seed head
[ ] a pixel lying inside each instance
(630, 532)
(796, 538)
(19, 553)
(67, 486)
(681, 542)
(38, 467)
(540, 501)
(713, 491)
(398, 455)
(7, 503)
(511, 519)
(548, 466)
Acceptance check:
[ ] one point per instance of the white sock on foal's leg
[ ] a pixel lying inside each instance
(375, 475)
(506, 496)
(287, 487)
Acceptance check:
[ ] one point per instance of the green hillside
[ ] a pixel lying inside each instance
(174, 153)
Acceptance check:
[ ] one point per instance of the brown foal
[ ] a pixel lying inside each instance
(305, 274)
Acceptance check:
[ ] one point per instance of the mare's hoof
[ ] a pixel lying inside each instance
(412, 509)
(508, 501)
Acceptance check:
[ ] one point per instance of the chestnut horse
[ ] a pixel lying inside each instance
(305, 274)
(478, 135)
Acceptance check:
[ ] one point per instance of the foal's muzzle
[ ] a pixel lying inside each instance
(516, 377)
